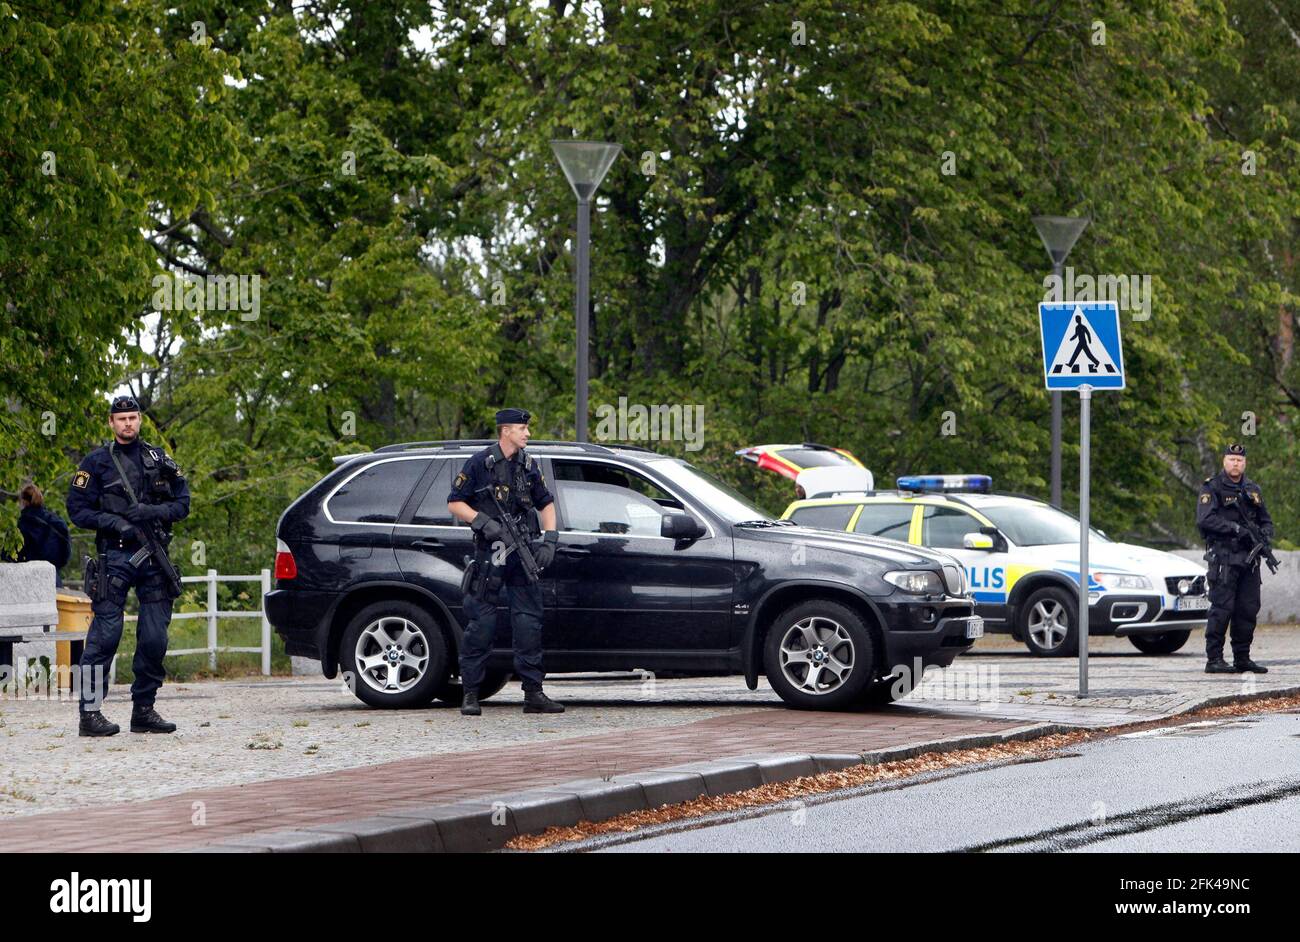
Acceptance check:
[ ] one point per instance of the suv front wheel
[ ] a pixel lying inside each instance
(819, 656)
(1049, 623)
(394, 655)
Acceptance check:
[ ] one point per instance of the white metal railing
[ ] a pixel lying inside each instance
(212, 613)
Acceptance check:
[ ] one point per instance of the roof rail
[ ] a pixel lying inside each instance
(405, 446)
(484, 442)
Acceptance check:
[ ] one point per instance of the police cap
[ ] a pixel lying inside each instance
(513, 417)
(1235, 449)
(124, 404)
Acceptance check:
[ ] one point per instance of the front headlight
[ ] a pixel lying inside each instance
(1119, 580)
(916, 580)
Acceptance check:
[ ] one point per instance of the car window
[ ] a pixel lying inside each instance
(945, 527)
(433, 511)
(376, 495)
(828, 517)
(888, 520)
(1030, 523)
(608, 508)
(598, 473)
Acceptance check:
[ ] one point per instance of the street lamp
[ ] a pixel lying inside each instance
(1059, 233)
(585, 164)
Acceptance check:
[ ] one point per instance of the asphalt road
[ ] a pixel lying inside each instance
(1217, 786)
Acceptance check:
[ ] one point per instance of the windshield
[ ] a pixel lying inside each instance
(721, 498)
(1030, 524)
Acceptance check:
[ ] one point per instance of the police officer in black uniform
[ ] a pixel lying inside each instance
(99, 500)
(517, 480)
(1234, 585)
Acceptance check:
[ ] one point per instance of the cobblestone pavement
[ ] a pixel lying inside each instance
(234, 733)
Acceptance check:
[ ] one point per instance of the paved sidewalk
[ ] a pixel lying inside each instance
(299, 764)
(412, 784)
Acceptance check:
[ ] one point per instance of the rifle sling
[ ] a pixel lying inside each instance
(121, 472)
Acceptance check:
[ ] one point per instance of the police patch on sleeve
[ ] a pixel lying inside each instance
(81, 479)
(461, 479)
(1205, 498)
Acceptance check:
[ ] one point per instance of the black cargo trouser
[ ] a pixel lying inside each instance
(1234, 598)
(118, 576)
(525, 605)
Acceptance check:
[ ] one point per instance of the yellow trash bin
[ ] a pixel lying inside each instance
(74, 615)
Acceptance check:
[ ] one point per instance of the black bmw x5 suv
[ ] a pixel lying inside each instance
(660, 567)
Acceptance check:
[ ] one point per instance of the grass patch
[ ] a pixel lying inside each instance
(193, 633)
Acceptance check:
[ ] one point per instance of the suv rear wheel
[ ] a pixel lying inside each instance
(819, 656)
(453, 693)
(1167, 642)
(394, 655)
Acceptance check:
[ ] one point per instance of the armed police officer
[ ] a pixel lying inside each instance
(501, 493)
(130, 493)
(1230, 514)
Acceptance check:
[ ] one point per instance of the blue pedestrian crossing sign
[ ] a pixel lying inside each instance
(1081, 344)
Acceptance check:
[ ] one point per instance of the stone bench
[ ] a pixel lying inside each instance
(29, 612)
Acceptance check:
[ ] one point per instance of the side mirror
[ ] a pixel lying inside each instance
(681, 527)
(977, 541)
(999, 541)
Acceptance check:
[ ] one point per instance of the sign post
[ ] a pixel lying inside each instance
(1082, 351)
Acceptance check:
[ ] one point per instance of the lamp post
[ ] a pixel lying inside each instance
(1059, 233)
(585, 164)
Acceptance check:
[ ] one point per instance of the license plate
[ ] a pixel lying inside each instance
(975, 627)
(1186, 604)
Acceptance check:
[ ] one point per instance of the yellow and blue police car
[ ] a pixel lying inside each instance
(1022, 562)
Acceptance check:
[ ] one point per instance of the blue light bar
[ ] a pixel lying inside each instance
(950, 483)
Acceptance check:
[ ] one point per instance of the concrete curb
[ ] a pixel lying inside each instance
(487, 823)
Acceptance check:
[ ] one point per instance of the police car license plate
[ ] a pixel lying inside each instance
(1196, 602)
(975, 627)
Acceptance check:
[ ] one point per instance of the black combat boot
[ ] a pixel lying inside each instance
(469, 704)
(94, 723)
(1219, 666)
(537, 702)
(1244, 665)
(147, 720)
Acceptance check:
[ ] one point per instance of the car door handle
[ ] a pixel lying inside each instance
(575, 551)
(427, 543)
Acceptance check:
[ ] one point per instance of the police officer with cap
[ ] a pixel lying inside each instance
(119, 488)
(516, 479)
(1227, 498)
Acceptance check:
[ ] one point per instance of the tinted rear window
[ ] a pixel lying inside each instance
(433, 511)
(376, 494)
(814, 458)
(830, 517)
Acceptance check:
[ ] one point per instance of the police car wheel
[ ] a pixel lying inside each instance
(393, 655)
(1049, 623)
(1167, 642)
(453, 693)
(818, 655)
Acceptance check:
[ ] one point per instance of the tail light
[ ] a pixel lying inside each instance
(285, 567)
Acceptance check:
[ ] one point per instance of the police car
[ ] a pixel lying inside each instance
(1022, 562)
